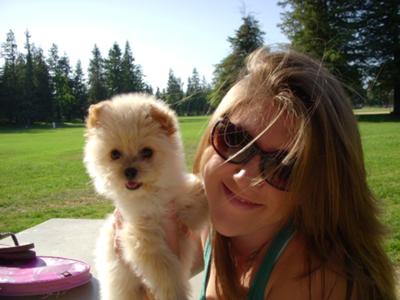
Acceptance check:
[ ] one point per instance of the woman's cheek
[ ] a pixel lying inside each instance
(212, 174)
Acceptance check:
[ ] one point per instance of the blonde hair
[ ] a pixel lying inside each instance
(338, 214)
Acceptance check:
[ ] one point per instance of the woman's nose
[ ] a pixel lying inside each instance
(247, 172)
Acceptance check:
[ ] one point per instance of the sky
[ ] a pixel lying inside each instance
(163, 34)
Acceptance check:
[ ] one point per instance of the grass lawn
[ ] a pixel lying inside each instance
(42, 175)
(373, 110)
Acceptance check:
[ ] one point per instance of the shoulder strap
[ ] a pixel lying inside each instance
(207, 263)
(278, 244)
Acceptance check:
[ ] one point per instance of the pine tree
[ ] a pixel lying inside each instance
(174, 93)
(147, 88)
(27, 112)
(247, 38)
(11, 88)
(158, 93)
(80, 92)
(52, 62)
(63, 97)
(113, 71)
(43, 102)
(97, 85)
(194, 95)
(132, 78)
(380, 48)
(327, 30)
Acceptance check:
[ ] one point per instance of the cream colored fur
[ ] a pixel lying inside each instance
(130, 123)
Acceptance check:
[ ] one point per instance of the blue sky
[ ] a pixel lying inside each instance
(163, 34)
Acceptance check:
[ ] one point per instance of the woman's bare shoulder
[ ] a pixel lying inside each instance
(299, 275)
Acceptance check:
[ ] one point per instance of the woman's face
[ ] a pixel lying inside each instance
(237, 206)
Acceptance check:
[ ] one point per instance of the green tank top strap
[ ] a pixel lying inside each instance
(207, 264)
(260, 281)
(278, 245)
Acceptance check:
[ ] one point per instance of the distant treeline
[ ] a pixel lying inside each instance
(358, 41)
(36, 88)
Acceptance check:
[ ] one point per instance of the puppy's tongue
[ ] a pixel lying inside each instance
(132, 185)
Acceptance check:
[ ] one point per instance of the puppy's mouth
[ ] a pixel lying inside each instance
(133, 185)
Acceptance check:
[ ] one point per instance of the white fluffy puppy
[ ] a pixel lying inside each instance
(134, 155)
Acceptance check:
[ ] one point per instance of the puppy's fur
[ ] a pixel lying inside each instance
(134, 155)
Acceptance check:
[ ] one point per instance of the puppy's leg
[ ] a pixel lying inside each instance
(191, 205)
(154, 262)
(117, 280)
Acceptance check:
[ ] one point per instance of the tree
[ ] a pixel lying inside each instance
(380, 48)
(26, 108)
(97, 89)
(158, 93)
(113, 71)
(132, 78)
(247, 38)
(43, 101)
(174, 93)
(196, 95)
(80, 92)
(327, 30)
(63, 97)
(11, 95)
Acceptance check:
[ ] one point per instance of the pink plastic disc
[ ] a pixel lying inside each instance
(42, 275)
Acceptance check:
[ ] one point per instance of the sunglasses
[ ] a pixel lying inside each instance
(235, 145)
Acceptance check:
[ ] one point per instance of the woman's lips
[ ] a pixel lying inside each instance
(236, 200)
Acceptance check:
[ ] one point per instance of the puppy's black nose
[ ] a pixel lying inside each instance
(130, 173)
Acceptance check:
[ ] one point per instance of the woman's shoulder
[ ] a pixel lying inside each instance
(300, 273)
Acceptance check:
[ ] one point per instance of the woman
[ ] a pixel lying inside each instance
(292, 216)
(291, 212)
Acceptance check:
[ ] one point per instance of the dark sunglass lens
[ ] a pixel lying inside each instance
(275, 172)
(228, 140)
(234, 137)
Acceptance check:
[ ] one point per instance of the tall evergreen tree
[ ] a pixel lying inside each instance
(43, 101)
(62, 84)
(327, 30)
(196, 95)
(27, 112)
(174, 93)
(247, 38)
(380, 47)
(12, 94)
(52, 62)
(132, 78)
(113, 71)
(147, 88)
(158, 93)
(80, 92)
(97, 85)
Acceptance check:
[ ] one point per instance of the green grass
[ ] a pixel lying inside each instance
(373, 110)
(42, 175)
(381, 143)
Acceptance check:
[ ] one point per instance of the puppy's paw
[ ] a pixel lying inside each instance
(192, 206)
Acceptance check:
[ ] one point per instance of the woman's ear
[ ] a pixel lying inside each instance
(165, 118)
(95, 114)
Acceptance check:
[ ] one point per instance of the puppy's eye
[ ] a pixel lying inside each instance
(146, 152)
(115, 154)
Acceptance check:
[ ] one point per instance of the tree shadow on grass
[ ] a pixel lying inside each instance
(37, 127)
(378, 118)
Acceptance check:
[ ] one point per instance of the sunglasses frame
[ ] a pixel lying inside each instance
(252, 149)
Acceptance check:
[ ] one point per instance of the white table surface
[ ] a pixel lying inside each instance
(72, 238)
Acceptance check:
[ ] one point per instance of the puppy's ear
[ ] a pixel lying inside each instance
(165, 118)
(94, 116)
